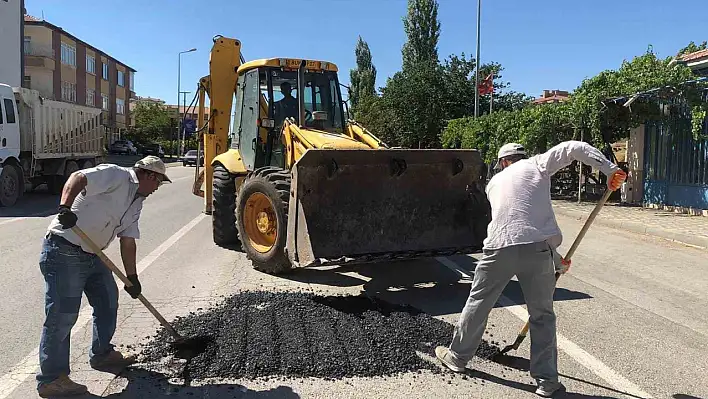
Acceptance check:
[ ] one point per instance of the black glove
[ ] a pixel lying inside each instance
(135, 289)
(67, 218)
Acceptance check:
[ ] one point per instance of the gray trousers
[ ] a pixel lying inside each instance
(533, 265)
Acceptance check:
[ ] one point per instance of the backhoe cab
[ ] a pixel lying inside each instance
(302, 185)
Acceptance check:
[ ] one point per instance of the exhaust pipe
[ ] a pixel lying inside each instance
(301, 92)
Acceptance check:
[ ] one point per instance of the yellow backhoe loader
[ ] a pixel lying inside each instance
(300, 184)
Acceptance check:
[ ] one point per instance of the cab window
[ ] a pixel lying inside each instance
(9, 110)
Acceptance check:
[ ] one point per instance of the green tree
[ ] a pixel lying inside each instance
(152, 120)
(693, 47)
(422, 31)
(363, 77)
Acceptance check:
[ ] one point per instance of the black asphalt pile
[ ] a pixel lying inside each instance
(257, 334)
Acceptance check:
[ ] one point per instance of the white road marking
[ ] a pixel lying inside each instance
(581, 356)
(17, 219)
(28, 366)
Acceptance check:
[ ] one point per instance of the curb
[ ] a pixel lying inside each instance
(679, 238)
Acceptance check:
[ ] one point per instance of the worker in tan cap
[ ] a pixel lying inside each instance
(105, 202)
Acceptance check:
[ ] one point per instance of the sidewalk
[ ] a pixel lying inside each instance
(681, 228)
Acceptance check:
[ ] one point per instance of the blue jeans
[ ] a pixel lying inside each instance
(69, 272)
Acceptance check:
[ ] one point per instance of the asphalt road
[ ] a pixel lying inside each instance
(632, 318)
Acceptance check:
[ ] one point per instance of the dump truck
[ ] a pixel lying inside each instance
(44, 141)
(295, 183)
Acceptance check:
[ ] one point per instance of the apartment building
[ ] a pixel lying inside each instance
(63, 67)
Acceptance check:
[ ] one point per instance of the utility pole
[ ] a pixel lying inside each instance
(182, 132)
(476, 88)
(179, 66)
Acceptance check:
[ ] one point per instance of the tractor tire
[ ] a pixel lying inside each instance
(223, 215)
(262, 222)
(11, 185)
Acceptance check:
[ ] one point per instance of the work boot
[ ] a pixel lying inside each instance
(449, 360)
(62, 386)
(549, 388)
(112, 360)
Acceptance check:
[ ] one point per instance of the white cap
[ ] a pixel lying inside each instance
(153, 164)
(509, 149)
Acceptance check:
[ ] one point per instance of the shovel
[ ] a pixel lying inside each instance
(185, 347)
(522, 334)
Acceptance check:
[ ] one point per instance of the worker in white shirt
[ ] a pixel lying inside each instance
(104, 201)
(522, 239)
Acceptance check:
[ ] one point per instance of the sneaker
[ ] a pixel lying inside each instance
(449, 360)
(62, 386)
(547, 389)
(112, 360)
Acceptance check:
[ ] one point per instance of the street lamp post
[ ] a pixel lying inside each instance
(179, 66)
(476, 91)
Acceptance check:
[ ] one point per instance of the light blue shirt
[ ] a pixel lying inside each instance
(109, 206)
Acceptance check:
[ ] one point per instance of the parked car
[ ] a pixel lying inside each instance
(125, 147)
(190, 158)
(153, 149)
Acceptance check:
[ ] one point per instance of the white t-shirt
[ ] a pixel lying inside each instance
(108, 207)
(520, 195)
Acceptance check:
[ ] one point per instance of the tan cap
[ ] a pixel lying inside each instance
(153, 164)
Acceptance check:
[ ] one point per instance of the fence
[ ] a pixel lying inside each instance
(675, 164)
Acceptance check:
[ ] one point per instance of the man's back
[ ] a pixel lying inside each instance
(520, 195)
(521, 206)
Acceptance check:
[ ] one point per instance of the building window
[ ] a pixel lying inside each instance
(90, 65)
(27, 82)
(120, 106)
(105, 71)
(105, 101)
(90, 97)
(132, 80)
(68, 92)
(121, 78)
(68, 54)
(28, 45)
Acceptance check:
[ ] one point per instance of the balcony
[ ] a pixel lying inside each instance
(41, 56)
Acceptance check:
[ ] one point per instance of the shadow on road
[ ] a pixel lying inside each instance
(682, 396)
(146, 385)
(424, 283)
(522, 364)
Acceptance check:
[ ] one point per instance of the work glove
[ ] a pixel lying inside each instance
(67, 218)
(616, 180)
(561, 264)
(135, 289)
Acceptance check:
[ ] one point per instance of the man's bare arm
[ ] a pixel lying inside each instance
(74, 185)
(128, 252)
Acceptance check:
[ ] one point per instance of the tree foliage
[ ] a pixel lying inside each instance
(152, 120)
(595, 108)
(422, 32)
(363, 78)
(693, 47)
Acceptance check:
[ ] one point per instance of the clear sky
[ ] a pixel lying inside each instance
(542, 44)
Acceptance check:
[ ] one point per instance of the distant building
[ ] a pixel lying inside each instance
(138, 99)
(64, 68)
(697, 61)
(192, 114)
(11, 12)
(552, 96)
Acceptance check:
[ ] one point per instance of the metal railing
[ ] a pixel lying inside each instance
(39, 50)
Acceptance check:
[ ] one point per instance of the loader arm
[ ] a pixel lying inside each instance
(219, 85)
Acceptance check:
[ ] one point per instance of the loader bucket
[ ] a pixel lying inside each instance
(372, 205)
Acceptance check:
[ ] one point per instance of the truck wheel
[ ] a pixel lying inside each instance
(262, 209)
(10, 185)
(223, 215)
(71, 167)
(87, 164)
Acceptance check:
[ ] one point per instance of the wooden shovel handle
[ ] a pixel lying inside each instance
(106, 261)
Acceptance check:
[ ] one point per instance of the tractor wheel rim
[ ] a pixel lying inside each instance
(260, 222)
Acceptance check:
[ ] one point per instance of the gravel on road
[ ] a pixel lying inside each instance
(262, 333)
